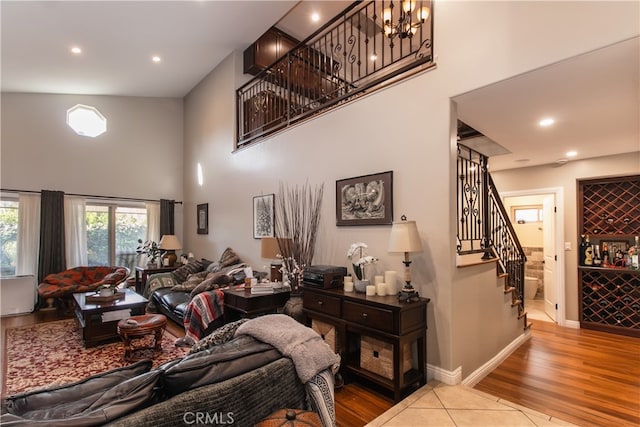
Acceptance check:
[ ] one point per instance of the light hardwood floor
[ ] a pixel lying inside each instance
(586, 377)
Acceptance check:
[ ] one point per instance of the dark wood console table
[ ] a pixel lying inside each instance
(360, 319)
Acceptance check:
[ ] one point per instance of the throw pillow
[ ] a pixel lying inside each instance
(181, 273)
(217, 337)
(191, 283)
(213, 281)
(213, 267)
(229, 257)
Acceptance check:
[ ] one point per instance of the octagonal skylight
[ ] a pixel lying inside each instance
(86, 120)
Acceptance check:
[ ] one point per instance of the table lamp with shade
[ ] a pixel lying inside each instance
(170, 244)
(405, 239)
(271, 250)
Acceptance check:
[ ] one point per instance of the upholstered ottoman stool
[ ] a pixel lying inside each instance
(138, 327)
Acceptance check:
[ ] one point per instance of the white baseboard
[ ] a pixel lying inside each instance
(573, 324)
(444, 376)
(476, 376)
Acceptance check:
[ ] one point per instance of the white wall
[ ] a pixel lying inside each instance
(406, 128)
(140, 155)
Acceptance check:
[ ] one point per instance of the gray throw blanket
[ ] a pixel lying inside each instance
(308, 351)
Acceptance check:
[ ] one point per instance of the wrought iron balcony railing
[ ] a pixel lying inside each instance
(368, 46)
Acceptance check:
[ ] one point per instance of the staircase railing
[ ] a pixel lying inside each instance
(505, 242)
(368, 46)
(483, 222)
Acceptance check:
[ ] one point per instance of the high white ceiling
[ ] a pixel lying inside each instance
(118, 39)
(594, 97)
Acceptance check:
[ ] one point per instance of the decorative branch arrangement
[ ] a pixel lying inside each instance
(297, 218)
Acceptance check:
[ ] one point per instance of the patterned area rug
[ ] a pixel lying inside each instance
(52, 353)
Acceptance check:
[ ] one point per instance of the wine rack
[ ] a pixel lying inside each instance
(609, 211)
(610, 300)
(610, 206)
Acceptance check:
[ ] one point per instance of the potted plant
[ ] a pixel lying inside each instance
(357, 254)
(151, 250)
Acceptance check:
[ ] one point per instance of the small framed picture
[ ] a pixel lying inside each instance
(203, 218)
(263, 216)
(365, 200)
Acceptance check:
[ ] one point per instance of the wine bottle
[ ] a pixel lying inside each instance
(605, 255)
(588, 252)
(597, 261)
(634, 256)
(581, 248)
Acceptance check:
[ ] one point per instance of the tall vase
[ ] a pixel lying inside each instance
(293, 306)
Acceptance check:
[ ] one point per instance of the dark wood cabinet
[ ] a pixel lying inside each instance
(379, 338)
(270, 47)
(609, 213)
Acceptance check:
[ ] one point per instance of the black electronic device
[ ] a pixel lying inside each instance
(324, 276)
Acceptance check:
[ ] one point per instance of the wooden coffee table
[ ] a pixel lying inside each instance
(99, 320)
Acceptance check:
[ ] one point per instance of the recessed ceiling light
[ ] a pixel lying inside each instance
(76, 50)
(156, 58)
(315, 17)
(546, 122)
(571, 153)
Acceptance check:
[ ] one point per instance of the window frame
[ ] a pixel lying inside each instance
(515, 209)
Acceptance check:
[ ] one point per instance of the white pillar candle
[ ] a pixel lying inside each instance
(391, 279)
(381, 289)
(348, 279)
(378, 279)
(348, 286)
(371, 290)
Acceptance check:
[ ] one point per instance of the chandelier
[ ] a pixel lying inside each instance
(405, 22)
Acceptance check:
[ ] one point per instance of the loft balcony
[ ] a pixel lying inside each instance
(368, 46)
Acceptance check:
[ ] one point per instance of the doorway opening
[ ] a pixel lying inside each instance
(538, 225)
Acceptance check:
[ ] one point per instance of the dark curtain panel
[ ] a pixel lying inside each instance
(167, 220)
(52, 253)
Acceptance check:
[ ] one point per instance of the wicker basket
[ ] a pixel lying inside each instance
(377, 356)
(327, 332)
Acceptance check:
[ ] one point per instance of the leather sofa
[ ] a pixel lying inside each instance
(236, 380)
(79, 279)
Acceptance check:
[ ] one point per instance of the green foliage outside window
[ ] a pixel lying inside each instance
(8, 237)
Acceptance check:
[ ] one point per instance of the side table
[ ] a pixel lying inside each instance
(242, 303)
(142, 273)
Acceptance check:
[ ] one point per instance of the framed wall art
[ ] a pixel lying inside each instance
(365, 200)
(203, 218)
(263, 216)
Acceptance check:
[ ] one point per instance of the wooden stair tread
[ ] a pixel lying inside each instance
(509, 289)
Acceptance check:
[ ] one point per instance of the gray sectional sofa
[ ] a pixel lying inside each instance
(226, 380)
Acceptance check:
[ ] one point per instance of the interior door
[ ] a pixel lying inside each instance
(549, 254)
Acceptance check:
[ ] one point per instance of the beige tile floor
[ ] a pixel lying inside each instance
(535, 310)
(438, 404)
